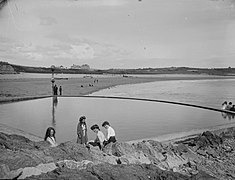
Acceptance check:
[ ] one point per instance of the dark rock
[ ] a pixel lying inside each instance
(212, 138)
(4, 170)
(69, 151)
(120, 148)
(117, 172)
(145, 160)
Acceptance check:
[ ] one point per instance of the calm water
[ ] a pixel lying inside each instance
(131, 119)
(200, 92)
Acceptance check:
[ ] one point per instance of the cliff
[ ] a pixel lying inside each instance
(207, 156)
(6, 68)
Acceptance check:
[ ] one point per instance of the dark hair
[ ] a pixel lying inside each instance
(105, 123)
(230, 103)
(225, 102)
(81, 118)
(48, 133)
(95, 126)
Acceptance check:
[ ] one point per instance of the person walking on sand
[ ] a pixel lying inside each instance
(50, 136)
(100, 138)
(110, 133)
(82, 131)
(60, 89)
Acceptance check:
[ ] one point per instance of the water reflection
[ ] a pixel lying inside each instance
(131, 119)
(228, 116)
(54, 105)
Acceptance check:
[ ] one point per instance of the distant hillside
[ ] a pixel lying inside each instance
(6, 68)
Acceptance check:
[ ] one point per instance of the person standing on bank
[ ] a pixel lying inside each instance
(60, 89)
(50, 136)
(82, 131)
(55, 90)
(110, 133)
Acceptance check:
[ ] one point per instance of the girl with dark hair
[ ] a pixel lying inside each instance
(50, 136)
(110, 133)
(99, 137)
(82, 131)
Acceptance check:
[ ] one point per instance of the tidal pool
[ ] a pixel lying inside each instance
(131, 119)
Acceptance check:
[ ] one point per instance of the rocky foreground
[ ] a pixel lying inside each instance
(207, 156)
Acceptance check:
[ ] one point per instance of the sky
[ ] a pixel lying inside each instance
(118, 33)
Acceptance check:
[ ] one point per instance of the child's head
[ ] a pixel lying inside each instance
(105, 124)
(82, 119)
(230, 103)
(225, 102)
(95, 128)
(50, 132)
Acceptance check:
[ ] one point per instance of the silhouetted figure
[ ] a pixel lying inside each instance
(55, 90)
(232, 108)
(60, 89)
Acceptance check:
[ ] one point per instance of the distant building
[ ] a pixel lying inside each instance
(74, 66)
(84, 66)
(60, 67)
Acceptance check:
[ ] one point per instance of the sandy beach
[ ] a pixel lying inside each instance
(31, 88)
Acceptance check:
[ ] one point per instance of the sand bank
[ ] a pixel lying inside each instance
(31, 88)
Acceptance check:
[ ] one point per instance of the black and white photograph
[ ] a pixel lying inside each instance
(117, 89)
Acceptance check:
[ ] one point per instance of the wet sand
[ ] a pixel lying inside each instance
(31, 88)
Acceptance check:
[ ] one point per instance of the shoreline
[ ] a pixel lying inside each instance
(104, 83)
(166, 138)
(13, 90)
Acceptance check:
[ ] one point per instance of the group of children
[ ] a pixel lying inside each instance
(228, 106)
(100, 141)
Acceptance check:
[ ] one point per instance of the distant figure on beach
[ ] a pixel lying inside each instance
(110, 133)
(100, 138)
(55, 90)
(232, 108)
(50, 136)
(82, 131)
(224, 105)
(229, 106)
(60, 89)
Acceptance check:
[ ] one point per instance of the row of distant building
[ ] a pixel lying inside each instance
(74, 66)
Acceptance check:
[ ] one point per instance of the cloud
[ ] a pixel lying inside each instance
(89, 48)
(65, 50)
(84, 51)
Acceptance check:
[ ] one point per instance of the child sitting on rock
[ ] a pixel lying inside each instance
(110, 133)
(100, 138)
(50, 137)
